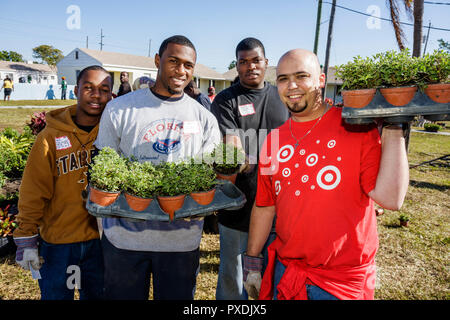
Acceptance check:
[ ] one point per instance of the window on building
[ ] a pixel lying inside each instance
(76, 55)
(53, 77)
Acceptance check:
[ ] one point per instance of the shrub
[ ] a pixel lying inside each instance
(431, 127)
(37, 122)
(14, 150)
(108, 172)
(202, 177)
(358, 74)
(142, 179)
(434, 68)
(7, 222)
(396, 69)
(226, 158)
(403, 217)
(175, 178)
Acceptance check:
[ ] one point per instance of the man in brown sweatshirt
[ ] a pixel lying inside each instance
(56, 234)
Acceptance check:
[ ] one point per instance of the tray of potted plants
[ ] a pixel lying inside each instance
(7, 226)
(396, 87)
(164, 192)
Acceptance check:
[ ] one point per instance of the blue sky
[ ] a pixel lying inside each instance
(215, 27)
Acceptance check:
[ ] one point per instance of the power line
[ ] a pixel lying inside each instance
(385, 19)
(438, 3)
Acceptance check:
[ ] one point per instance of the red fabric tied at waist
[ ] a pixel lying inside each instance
(344, 282)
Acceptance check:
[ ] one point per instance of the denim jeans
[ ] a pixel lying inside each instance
(313, 292)
(65, 265)
(233, 243)
(127, 273)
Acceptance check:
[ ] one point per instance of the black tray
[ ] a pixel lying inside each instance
(421, 104)
(227, 196)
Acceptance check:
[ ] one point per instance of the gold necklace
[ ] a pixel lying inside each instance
(297, 143)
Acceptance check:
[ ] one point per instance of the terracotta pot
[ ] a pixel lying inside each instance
(404, 223)
(438, 92)
(229, 177)
(171, 204)
(399, 96)
(358, 98)
(204, 198)
(102, 198)
(137, 203)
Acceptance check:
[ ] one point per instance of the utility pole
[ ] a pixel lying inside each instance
(319, 14)
(87, 42)
(149, 48)
(426, 41)
(327, 53)
(101, 39)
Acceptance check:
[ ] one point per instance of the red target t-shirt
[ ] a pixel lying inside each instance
(319, 189)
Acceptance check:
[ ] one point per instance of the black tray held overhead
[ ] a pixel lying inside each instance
(227, 196)
(421, 104)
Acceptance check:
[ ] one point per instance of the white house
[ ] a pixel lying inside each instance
(136, 66)
(22, 72)
(333, 84)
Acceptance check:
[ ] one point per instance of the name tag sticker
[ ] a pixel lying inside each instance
(63, 143)
(246, 109)
(190, 127)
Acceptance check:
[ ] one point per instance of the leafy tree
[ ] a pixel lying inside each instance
(48, 54)
(11, 56)
(444, 45)
(232, 65)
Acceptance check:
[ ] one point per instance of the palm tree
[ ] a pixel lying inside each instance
(393, 6)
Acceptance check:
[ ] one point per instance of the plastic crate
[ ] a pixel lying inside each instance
(421, 104)
(227, 196)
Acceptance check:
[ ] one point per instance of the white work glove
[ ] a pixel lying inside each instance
(252, 267)
(27, 253)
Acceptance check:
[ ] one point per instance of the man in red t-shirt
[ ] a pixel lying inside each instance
(320, 178)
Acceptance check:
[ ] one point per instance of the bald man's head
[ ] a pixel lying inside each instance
(299, 81)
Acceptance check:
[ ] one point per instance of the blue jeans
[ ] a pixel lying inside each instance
(127, 273)
(313, 292)
(59, 277)
(233, 243)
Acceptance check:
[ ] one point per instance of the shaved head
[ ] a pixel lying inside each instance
(300, 82)
(308, 57)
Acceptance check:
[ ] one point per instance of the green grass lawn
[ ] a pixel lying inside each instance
(412, 262)
(15, 103)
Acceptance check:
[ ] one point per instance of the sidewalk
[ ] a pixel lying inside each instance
(423, 131)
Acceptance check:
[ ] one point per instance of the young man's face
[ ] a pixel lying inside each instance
(124, 77)
(175, 69)
(93, 93)
(251, 67)
(299, 81)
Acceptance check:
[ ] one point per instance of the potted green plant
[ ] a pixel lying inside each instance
(202, 181)
(359, 81)
(227, 160)
(107, 176)
(398, 75)
(404, 219)
(141, 183)
(433, 75)
(174, 186)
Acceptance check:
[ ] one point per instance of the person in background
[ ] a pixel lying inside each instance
(211, 93)
(320, 178)
(194, 92)
(53, 220)
(125, 86)
(63, 88)
(246, 112)
(8, 87)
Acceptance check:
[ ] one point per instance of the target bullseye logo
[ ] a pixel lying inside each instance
(331, 144)
(286, 172)
(302, 152)
(277, 187)
(305, 178)
(285, 153)
(312, 159)
(328, 177)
